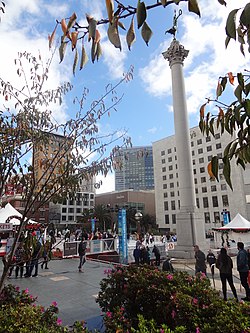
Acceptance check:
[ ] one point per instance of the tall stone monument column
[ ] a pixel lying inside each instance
(190, 225)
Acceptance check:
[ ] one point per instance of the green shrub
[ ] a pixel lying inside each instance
(20, 314)
(174, 300)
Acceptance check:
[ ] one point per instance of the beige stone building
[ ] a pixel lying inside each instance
(212, 197)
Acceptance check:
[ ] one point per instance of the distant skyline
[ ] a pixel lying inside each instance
(146, 107)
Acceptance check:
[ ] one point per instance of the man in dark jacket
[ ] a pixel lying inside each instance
(211, 260)
(82, 251)
(242, 267)
(200, 264)
(157, 253)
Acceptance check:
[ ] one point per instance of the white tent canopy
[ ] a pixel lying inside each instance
(238, 223)
(8, 211)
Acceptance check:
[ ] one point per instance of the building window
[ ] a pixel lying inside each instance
(165, 194)
(163, 161)
(221, 165)
(213, 188)
(173, 205)
(64, 210)
(201, 160)
(217, 136)
(164, 177)
(63, 218)
(193, 162)
(162, 152)
(196, 191)
(171, 185)
(207, 217)
(172, 194)
(164, 186)
(171, 176)
(219, 155)
(204, 189)
(192, 152)
(223, 187)
(222, 177)
(195, 181)
(166, 219)
(216, 217)
(209, 158)
(200, 151)
(170, 168)
(215, 201)
(194, 171)
(173, 218)
(197, 202)
(218, 145)
(163, 169)
(205, 202)
(203, 179)
(225, 202)
(208, 138)
(192, 143)
(202, 170)
(176, 175)
(165, 205)
(209, 148)
(199, 142)
(170, 159)
(71, 210)
(169, 151)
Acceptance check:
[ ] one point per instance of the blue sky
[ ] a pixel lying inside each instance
(146, 107)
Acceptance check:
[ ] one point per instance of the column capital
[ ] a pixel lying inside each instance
(175, 53)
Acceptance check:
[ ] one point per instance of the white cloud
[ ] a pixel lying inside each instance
(207, 59)
(152, 130)
(108, 183)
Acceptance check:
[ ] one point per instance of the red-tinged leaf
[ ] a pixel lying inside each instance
(109, 114)
(110, 9)
(75, 61)
(64, 26)
(52, 37)
(72, 21)
(231, 77)
(202, 110)
(74, 36)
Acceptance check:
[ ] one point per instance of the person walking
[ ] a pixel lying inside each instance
(211, 260)
(200, 263)
(82, 251)
(156, 251)
(225, 265)
(242, 268)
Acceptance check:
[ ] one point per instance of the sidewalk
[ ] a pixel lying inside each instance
(74, 292)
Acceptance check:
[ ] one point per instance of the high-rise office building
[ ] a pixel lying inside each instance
(213, 199)
(134, 169)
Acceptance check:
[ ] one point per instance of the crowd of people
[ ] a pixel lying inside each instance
(224, 264)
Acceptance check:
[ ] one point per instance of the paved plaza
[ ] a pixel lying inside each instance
(76, 292)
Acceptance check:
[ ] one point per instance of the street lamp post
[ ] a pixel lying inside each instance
(138, 218)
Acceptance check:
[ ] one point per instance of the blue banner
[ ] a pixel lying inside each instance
(93, 225)
(122, 234)
(225, 218)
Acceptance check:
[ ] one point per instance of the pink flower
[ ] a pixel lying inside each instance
(197, 330)
(26, 291)
(59, 321)
(161, 330)
(109, 314)
(195, 301)
(17, 288)
(54, 303)
(170, 277)
(173, 314)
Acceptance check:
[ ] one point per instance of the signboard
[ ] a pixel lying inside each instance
(70, 249)
(170, 246)
(93, 225)
(122, 234)
(6, 227)
(225, 215)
